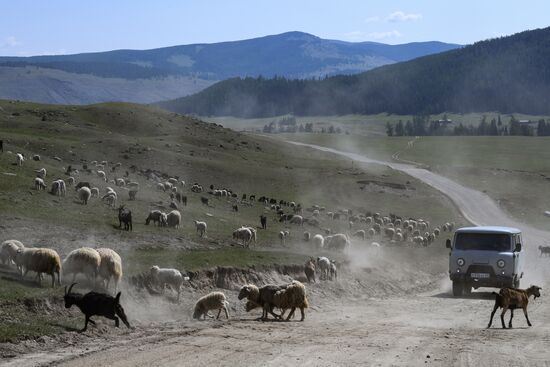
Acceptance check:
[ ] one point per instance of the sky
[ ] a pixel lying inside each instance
(67, 26)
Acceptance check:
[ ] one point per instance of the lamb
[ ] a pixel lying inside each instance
(84, 260)
(201, 228)
(39, 184)
(84, 194)
(155, 216)
(337, 241)
(163, 277)
(510, 299)
(333, 271)
(96, 304)
(41, 173)
(324, 267)
(125, 216)
(212, 301)
(20, 159)
(8, 251)
(544, 250)
(39, 260)
(110, 266)
(173, 219)
(318, 241)
(309, 270)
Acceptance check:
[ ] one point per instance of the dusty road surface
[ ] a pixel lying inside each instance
(414, 321)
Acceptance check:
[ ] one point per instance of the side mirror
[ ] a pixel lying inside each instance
(518, 247)
(448, 243)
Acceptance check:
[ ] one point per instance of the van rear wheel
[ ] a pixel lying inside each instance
(458, 288)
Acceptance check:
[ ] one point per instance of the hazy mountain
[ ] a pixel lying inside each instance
(170, 72)
(507, 74)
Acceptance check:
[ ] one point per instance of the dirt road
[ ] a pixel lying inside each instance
(345, 327)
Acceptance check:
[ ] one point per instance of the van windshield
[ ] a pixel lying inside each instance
(483, 241)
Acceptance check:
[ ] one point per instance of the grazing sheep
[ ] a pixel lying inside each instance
(83, 260)
(253, 233)
(36, 157)
(173, 219)
(510, 299)
(39, 260)
(244, 235)
(163, 277)
(282, 236)
(125, 216)
(110, 266)
(101, 174)
(8, 251)
(297, 219)
(307, 236)
(95, 192)
(20, 159)
(39, 184)
(204, 201)
(41, 173)
(111, 198)
(120, 182)
(84, 194)
(58, 188)
(155, 216)
(96, 304)
(359, 234)
(70, 180)
(201, 228)
(212, 301)
(309, 270)
(339, 242)
(318, 241)
(82, 184)
(324, 267)
(371, 233)
(262, 297)
(544, 250)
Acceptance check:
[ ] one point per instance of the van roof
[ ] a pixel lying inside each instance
(488, 229)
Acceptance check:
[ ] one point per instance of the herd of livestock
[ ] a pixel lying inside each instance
(103, 265)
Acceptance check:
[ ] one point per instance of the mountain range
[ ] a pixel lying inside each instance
(146, 76)
(507, 74)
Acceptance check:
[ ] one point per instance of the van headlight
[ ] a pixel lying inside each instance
(501, 263)
(460, 262)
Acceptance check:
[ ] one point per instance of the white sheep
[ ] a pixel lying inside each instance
(160, 186)
(323, 263)
(171, 277)
(360, 234)
(41, 173)
(243, 234)
(95, 192)
(70, 181)
(84, 194)
(101, 174)
(172, 181)
(20, 159)
(39, 260)
(8, 250)
(337, 241)
(39, 184)
(111, 198)
(200, 227)
(84, 260)
(58, 188)
(253, 233)
(182, 183)
(173, 219)
(282, 236)
(297, 219)
(110, 266)
(120, 182)
(318, 241)
(212, 301)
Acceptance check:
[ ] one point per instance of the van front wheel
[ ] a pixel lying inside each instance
(458, 288)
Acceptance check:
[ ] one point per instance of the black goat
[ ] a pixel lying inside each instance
(96, 304)
(125, 216)
(235, 208)
(204, 200)
(263, 221)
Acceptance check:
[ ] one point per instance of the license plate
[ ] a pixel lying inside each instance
(480, 275)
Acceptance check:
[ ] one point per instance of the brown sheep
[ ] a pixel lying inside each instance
(510, 299)
(309, 269)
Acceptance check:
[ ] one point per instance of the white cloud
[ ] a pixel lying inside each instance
(372, 19)
(10, 41)
(383, 35)
(400, 16)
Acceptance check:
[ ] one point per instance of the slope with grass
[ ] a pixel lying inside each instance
(144, 138)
